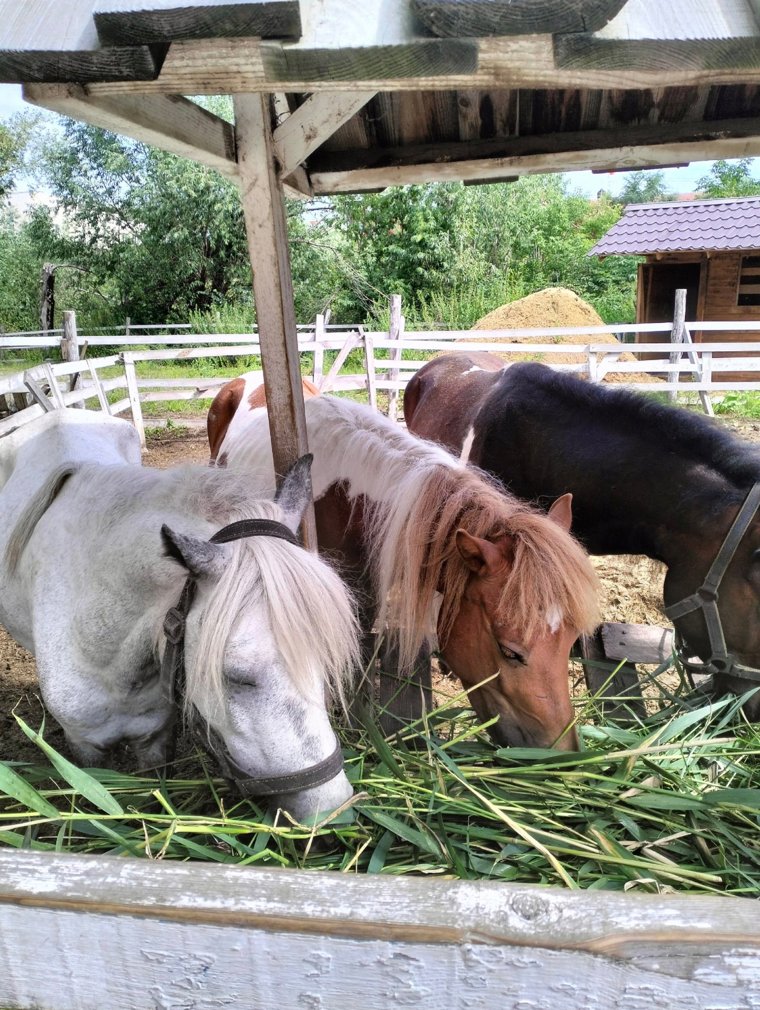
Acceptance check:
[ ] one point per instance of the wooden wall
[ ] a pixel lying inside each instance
(716, 297)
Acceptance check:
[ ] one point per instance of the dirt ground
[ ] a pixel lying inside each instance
(631, 592)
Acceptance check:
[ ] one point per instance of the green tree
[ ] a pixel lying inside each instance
(643, 187)
(729, 178)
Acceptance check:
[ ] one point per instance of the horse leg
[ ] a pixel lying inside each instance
(403, 700)
(155, 749)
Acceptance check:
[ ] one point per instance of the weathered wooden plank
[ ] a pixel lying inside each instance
(266, 229)
(40, 42)
(311, 124)
(637, 642)
(647, 34)
(463, 18)
(131, 22)
(170, 122)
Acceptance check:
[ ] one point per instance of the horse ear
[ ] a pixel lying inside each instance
(480, 556)
(562, 511)
(294, 494)
(199, 557)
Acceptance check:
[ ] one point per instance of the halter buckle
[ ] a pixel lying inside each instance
(174, 626)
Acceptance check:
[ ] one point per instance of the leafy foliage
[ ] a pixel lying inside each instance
(643, 187)
(729, 178)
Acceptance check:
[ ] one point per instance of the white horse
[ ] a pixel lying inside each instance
(94, 550)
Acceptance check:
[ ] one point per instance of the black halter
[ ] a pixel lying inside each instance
(721, 661)
(173, 677)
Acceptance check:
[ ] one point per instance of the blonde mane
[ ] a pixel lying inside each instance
(310, 610)
(416, 496)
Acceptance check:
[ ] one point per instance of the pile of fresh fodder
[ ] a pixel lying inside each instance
(668, 803)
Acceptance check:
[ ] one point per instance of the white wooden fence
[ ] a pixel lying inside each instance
(677, 368)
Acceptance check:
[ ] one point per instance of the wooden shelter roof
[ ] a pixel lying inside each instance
(697, 226)
(369, 93)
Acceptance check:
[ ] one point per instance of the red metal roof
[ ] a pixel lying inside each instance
(698, 225)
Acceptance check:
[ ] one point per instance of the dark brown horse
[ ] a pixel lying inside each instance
(645, 478)
(409, 527)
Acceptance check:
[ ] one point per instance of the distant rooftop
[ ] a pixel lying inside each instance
(693, 226)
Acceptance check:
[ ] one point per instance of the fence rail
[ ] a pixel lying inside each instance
(672, 367)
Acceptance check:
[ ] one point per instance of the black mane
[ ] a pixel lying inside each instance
(682, 431)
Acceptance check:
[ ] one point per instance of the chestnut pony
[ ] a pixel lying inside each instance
(406, 522)
(646, 479)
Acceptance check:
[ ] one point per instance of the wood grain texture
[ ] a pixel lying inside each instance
(173, 123)
(463, 18)
(40, 43)
(131, 22)
(637, 642)
(307, 128)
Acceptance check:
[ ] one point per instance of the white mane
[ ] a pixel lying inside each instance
(310, 610)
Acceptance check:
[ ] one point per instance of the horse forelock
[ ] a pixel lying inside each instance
(414, 555)
(310, 611)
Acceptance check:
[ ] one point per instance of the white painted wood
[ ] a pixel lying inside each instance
(677, 335)
(370, 365)
(133, 393)
(102, 400)
(319, 352)
(395, 333)
(352, 341)
(312, 124)
(38, 393)
(127, 934)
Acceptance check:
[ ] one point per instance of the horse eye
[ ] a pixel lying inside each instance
(511, 656)
(755, 556)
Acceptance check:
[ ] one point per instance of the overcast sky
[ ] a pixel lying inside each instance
(678, 180)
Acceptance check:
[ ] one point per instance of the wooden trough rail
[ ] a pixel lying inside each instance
(86, 933)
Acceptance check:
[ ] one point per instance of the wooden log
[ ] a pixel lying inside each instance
(466, 18)
(131, 22)
(266, 228)
(133, 393)
(623, 686)
(637, 642)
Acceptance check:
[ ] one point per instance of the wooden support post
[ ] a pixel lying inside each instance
(70, 350)
(369, 362)
(319, 350)
(266, 228)
(676, 337)
(403, 700)
(134, 395)
(395, 331)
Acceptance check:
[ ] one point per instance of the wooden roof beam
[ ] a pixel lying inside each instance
(312, 124)
(604, 159)
(131, 22)
(464, 18)
(170, 122)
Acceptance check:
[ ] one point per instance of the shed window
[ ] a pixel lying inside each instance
(748, 292)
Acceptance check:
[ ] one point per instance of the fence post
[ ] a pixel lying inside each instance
(134, 395)
(70, 350)
(319, 349)
(676, 338)
(395, 331)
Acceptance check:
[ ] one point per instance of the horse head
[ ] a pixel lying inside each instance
(269, 638)
(515, 670)
(712, 594)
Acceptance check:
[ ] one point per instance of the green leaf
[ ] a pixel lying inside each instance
(78, 779)
(12, 784)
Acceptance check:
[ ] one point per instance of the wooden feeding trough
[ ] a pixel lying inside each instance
(335, 96)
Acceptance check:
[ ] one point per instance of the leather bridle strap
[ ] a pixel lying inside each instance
(706, 597)
(173, 676)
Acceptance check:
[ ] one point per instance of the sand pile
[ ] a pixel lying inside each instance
(556, 307)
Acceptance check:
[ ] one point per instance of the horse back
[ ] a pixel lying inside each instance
(443, 398)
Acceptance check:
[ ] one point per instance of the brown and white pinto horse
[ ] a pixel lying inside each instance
(245, 393)
(405, 522)
(645, 478)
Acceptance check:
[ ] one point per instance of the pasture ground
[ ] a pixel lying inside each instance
(632, 589)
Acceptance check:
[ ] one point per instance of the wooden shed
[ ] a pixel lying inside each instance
(710, 248)
(338, 96)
